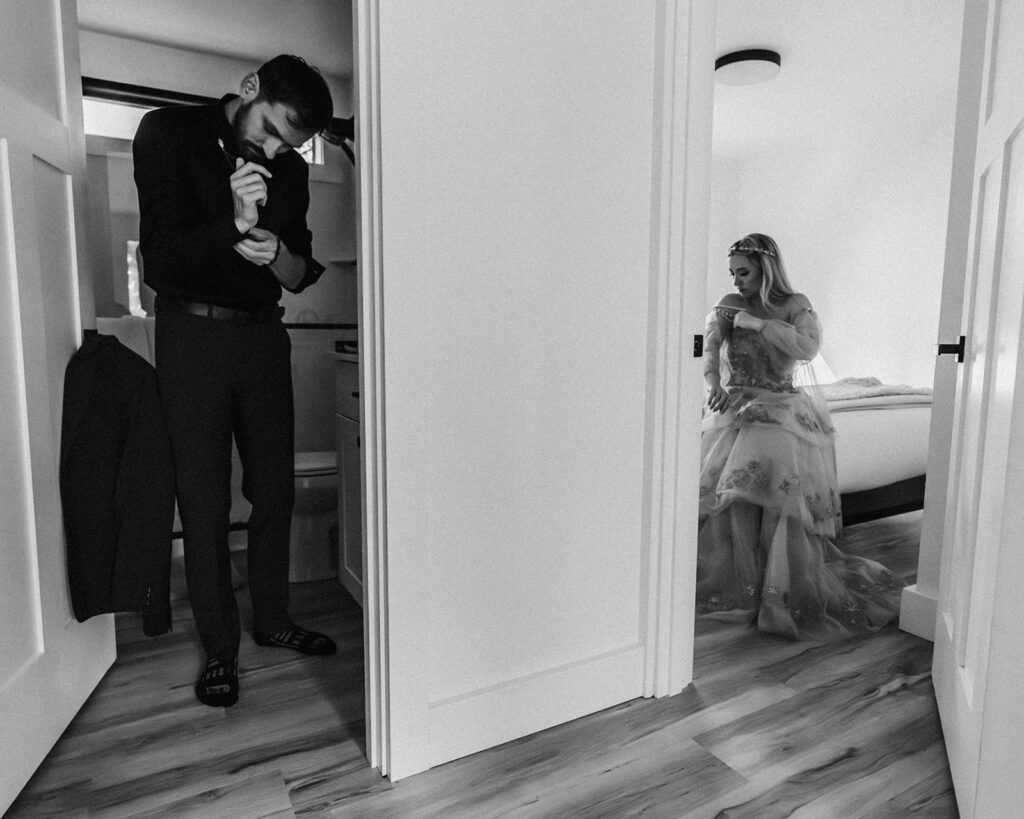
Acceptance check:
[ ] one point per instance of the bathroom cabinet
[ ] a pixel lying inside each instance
(350, 473)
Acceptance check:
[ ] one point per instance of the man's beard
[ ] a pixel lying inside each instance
(249, 151)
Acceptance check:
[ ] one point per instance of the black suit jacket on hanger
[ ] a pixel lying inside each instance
(116, 485)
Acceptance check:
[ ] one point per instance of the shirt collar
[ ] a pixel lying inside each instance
(225, 130)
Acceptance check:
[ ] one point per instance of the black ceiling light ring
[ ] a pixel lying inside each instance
(747, 66)
(761, 54)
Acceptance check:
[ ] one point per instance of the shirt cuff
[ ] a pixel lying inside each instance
(313, 272)
(231, 233)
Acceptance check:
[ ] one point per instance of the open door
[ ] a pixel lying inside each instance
(533, 199)
(979, 641)
(49, 663)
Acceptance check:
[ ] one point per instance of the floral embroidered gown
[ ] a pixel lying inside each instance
(770, 514)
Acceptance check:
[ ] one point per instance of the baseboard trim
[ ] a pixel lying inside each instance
(506, 712)
(917, 613)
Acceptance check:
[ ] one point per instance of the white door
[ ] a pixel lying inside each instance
(533, 234)
(49, 663)
(979, 641)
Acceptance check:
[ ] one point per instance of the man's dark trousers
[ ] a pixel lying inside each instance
(218, 379)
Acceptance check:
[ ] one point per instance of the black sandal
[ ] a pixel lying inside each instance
(218, 684)
(298, 639)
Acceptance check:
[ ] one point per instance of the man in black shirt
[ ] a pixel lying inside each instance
(223, 199)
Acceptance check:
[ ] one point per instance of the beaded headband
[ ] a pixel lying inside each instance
(746, 249)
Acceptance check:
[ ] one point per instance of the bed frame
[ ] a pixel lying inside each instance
(883, 501)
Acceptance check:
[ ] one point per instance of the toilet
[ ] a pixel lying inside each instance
(314, 532)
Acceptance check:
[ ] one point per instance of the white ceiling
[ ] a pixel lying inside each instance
(849, 67)
(320, 31)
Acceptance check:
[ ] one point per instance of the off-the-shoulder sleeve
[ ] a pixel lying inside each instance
(800, 338)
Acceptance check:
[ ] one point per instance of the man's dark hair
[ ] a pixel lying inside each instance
(290, 81)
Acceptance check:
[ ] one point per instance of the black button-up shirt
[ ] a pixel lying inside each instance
(187, 228)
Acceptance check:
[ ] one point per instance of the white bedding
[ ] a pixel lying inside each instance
(849, 390)
(880, 439)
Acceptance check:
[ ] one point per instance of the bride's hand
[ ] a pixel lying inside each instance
(718, 398)
(747, 321)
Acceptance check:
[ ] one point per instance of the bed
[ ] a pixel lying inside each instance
(881, 446)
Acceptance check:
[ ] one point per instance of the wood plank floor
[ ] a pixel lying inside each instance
(769, 728)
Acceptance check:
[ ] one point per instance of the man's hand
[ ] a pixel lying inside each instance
(249, 189)
(259, 247)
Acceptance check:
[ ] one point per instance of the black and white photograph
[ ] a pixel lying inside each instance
(564, 409)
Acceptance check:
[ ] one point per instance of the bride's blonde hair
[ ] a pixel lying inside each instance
(762, 249)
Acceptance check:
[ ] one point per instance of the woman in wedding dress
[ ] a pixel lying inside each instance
(770, 514)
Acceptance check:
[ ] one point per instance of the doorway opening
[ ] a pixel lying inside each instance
(323, 326)
(859, 207)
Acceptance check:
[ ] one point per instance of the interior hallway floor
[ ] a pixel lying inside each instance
(769, 728)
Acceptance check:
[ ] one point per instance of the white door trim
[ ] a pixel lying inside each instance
(677, 296)
(371, 343)
(679, 229)
(918, 606)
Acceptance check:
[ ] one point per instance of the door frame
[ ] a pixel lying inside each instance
(919, 603)
(681, 142)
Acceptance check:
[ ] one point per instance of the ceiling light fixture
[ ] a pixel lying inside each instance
(747, 67)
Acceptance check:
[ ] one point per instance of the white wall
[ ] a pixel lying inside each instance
(726, 223)
(859, 206)
(862, 232)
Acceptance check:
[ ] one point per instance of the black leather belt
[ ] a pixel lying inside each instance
(215, 311)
